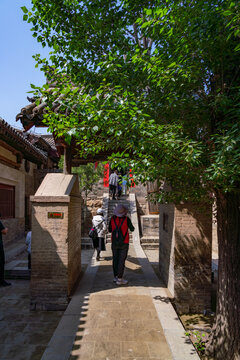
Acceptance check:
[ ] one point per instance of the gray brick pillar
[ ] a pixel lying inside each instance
(185, 243)
(56, 241)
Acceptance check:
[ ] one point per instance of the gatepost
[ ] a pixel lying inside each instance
(185, 249)
(56, 241)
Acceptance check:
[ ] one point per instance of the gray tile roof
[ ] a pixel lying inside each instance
(18, 141)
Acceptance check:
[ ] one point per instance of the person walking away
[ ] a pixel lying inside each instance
(119, 225)
(99, 223)
(113, 183)
(124, 184)
(3, 231)
(119, 191)
(28, 243)
(119, 187)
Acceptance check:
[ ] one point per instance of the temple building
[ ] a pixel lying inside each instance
(24, 161)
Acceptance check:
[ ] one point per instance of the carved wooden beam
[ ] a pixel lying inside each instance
(9, 162)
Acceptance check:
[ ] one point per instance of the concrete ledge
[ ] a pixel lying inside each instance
(52, 199)
(150, 246)
(17, 269)
(149, 239)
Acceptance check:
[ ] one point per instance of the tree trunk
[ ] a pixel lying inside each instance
(67, 162)
(224, 341)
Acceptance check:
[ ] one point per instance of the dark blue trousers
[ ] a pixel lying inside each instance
(119, 258)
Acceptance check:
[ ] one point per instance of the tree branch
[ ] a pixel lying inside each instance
(136, 34)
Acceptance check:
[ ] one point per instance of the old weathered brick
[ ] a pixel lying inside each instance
(185, 254)
(56, 251)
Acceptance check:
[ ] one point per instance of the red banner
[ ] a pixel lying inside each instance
(106, 175)
(131, 178)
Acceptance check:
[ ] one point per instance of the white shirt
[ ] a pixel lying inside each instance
(113, 179)
(98, 222)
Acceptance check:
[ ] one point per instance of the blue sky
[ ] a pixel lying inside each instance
(17, 67)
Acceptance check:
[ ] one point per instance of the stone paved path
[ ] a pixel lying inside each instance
(120, 322)
(107, 322)
(102, 321)
(24, 334)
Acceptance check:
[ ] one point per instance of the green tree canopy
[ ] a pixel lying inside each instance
(158, 81)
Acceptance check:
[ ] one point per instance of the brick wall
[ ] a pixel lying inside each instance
(49, 280)
(74, 239)
(185, 254)
(56, 243)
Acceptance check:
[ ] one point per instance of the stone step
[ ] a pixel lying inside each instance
(149, 239)
(86, 246)
(111, 209)
(116, 202)
(23, 273)
(122, 199)
(110, 212)
(113, 205)
(86, 243)
(14, 249)
(150, 246)
(17, 269)
(149, 242)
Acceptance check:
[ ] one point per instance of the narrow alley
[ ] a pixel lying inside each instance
(104, 321)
